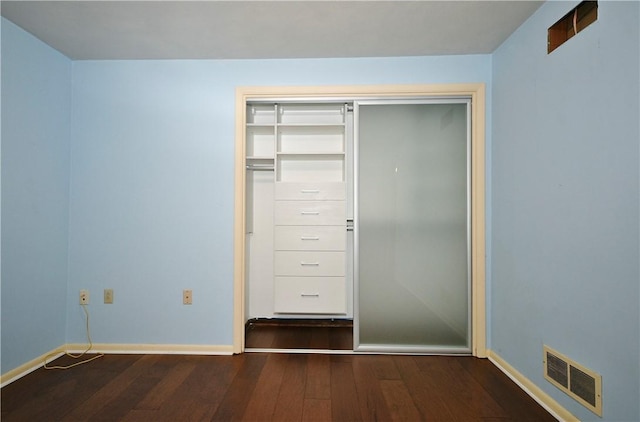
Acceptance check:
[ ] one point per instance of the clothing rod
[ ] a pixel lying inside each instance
(260, 168)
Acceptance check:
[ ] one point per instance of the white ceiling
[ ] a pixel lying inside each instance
(268, 29)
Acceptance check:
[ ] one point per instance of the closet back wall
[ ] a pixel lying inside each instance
(151, 207)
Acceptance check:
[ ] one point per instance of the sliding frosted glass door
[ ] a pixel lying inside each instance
(412, 226)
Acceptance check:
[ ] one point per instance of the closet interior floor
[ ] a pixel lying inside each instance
(299, 334)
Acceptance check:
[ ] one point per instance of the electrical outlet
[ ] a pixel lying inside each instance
(84, 297)
(108, 296)
(187, 297)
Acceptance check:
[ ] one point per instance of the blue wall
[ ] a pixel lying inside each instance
(150, 202)
(36, 93)
(565, 202)
(151, 207)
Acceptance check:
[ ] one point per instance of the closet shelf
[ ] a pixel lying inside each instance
(311, 125)
(259, 158)
(314, 153)
(261, 125)
(260, 168)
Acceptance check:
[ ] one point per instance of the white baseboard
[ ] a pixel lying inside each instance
(28, 367)
(151, 349)
(532, 389)
(111, 348)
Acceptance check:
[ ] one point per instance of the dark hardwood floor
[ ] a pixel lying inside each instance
(271, 387)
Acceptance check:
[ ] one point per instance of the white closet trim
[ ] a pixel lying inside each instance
(477, 93)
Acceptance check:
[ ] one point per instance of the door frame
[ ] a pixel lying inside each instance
(476, 91)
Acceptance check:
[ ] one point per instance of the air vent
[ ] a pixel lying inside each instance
(557, 370)
(583, 384)
(573, 22)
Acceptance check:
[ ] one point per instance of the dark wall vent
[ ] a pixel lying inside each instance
(573, 22)
(557, 369)
(583, 384)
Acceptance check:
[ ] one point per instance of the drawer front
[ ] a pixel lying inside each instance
(309, 295)
(310, 213)
(310, 238)
(309, 263)
(310, 191)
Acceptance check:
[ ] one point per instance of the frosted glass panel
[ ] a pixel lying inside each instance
(412, 227)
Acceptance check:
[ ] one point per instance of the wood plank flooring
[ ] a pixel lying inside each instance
(299, 334)
(271, 387)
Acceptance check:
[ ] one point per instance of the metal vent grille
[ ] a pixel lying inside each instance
(557, 370)
(583, 384)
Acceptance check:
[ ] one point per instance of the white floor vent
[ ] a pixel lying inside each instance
(583, 384)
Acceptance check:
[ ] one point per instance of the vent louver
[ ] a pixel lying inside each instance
(557, 370)
(583, 384)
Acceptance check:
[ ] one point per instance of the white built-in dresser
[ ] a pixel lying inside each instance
(305, 146)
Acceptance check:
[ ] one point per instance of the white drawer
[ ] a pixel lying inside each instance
(310, 295)
(310, 191)
(310, 238)
(310, 213)
(309, 263)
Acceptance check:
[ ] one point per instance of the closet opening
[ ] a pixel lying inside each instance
(298, 272)
(298, 228)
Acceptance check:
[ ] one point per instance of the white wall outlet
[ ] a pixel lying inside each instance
(187, 298)
(108, 296)
(84, 297)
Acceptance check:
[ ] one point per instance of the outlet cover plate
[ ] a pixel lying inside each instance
(187, 297)
(84, 297)
(108, 296)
